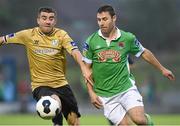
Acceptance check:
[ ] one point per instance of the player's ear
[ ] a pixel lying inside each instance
(114, 18)
(55, 20)
(38, 20)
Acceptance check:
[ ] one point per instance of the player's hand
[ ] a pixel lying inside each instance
(95, 100)
(167, 73)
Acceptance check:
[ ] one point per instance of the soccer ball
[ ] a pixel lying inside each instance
(47, 107)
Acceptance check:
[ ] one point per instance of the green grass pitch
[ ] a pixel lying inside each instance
(33, 119)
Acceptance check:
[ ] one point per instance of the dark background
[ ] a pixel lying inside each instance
(156, 23)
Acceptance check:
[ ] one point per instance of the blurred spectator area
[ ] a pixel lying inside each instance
(154, 22)
(8, 79)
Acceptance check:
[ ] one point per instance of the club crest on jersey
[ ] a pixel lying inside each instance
(121, 44)
(103, 56)
(55, 42)
(73, 43)
(11, 35)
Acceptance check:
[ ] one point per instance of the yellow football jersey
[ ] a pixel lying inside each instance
(46, 55)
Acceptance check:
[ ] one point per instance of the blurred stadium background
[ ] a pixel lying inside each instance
(156, 23)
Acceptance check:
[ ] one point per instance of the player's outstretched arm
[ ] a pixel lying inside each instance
(150, 58)
(94, 98)
(1, 40)
(85, 71)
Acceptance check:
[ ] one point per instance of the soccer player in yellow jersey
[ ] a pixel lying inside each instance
(46, 46)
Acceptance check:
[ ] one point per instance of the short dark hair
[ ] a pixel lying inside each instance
(107, 8)
(47, 9)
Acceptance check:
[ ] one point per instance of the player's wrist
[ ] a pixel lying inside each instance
(162, 69)
(3, 39)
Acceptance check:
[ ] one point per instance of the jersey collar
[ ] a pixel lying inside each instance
(118, 34)
(41, 33)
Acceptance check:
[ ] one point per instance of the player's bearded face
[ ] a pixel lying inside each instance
(46, 22)
(106, 22)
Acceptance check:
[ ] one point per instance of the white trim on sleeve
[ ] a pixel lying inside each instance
(89, 61)
(140, 52)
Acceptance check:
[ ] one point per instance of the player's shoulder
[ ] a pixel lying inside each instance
(92, 37)
(130, 37)
(26, 32)
(60, 32)
(127, 34)
(31, 31)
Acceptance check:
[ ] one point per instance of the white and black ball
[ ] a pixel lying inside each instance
(47, 107)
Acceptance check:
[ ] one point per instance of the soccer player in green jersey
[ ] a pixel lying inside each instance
(106, 54)
(46, 46)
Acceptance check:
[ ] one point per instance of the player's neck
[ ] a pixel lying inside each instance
(46, 33)
(112, 34)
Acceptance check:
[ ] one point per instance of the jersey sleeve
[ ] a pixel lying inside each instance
(16, 38)
(136, 47)
(87, 52)
(69, 44)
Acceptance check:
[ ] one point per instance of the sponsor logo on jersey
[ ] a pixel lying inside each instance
(73, 43)
(11, 35)
(46, 51)
(55, 42)
(109, 54)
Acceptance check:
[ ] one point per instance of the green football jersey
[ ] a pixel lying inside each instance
(110, 65)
